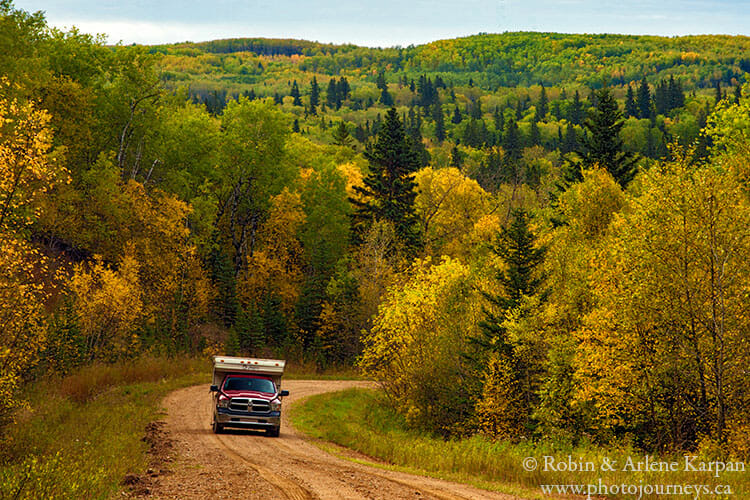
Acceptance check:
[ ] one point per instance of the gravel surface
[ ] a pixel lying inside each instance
(248, 465)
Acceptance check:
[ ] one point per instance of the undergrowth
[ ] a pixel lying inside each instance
(361, 420)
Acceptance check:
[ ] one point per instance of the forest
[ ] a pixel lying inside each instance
(520, 235)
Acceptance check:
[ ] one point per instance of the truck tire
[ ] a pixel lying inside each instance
(216, 427)
(273, 432)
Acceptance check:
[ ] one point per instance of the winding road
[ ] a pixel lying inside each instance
(248, 465)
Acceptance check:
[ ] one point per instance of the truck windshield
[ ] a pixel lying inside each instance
(249, 384)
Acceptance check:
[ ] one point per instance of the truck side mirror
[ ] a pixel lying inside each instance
(284, 393)
(214, 388)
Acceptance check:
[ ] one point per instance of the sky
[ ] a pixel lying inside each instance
(385, 23)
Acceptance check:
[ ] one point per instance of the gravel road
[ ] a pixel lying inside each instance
(248, 465)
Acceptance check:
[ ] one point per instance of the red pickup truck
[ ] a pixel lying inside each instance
(247, 394)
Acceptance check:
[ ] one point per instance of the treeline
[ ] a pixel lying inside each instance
(518, 59)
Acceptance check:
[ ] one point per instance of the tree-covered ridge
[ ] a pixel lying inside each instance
(511, 59)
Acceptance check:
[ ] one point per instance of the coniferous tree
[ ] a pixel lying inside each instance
(295, 94)
(314, 96)
(717, 95)
(576, 110)
(676, 94)
(541, 107)
(535, 138)
(570, 142)
(630, 108)
(332, 95)
(512, 141)
(389, 189)
(437, 116)
(602, 145)
(456, 119)
(643, 100)
(295, 125)
(475, 109)
(343, 89)
(516, 245)
(456, 159)
(341, 135)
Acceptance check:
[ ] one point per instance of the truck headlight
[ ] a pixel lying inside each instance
(223, 402)
(275, 405)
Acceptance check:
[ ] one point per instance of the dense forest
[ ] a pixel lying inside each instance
(522, 234)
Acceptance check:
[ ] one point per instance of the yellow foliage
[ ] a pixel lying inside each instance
(448, 205)
(413, 348)
(276, 265)
(500, 413)
(109, 302)
(25, 175)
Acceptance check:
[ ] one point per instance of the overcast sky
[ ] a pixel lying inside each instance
(385, 22)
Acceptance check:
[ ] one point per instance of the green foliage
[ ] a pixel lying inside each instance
(603, 145)
(389, 188)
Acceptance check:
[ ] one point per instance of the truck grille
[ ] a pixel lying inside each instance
(254, 405)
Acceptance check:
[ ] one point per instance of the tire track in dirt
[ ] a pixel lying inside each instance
(248, 465)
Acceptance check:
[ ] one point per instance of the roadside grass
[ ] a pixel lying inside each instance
(83, 433)
(359, 419)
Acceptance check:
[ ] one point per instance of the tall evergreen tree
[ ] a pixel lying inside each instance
(535, 138)
(332, 95)
(314, 96)
(517, 247)
(437, 116)
(602, 145)
(541, 107)
(576, 110)
(570, 142)
(456, 118)
(295, 94)
(389, 189)
(343, 89)
(512, 142)
(643, 99)
(631, 110)
(341, 135)
(456, 158)
(717, 94)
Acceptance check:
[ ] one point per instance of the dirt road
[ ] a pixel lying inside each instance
(249, 465)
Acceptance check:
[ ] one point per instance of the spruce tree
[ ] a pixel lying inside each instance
(332, 95)
(295, 94)
(643, 100)
(541, 107)
(602, 145)
(457, 118)
(517, 247)
(630, 108)
(456, 159)
(343, 89)
(576, 110)
(512, 141)
(437, 116)
(535, 137)
(389, 189)
(314, 96)
(717, 94)
(570, 142)
(341, 135)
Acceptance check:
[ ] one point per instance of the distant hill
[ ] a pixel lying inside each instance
(510, 59)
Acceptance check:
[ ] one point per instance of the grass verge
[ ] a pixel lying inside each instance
(82, 434)
(360, 420)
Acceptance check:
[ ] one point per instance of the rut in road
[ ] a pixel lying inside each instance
(248, 465)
